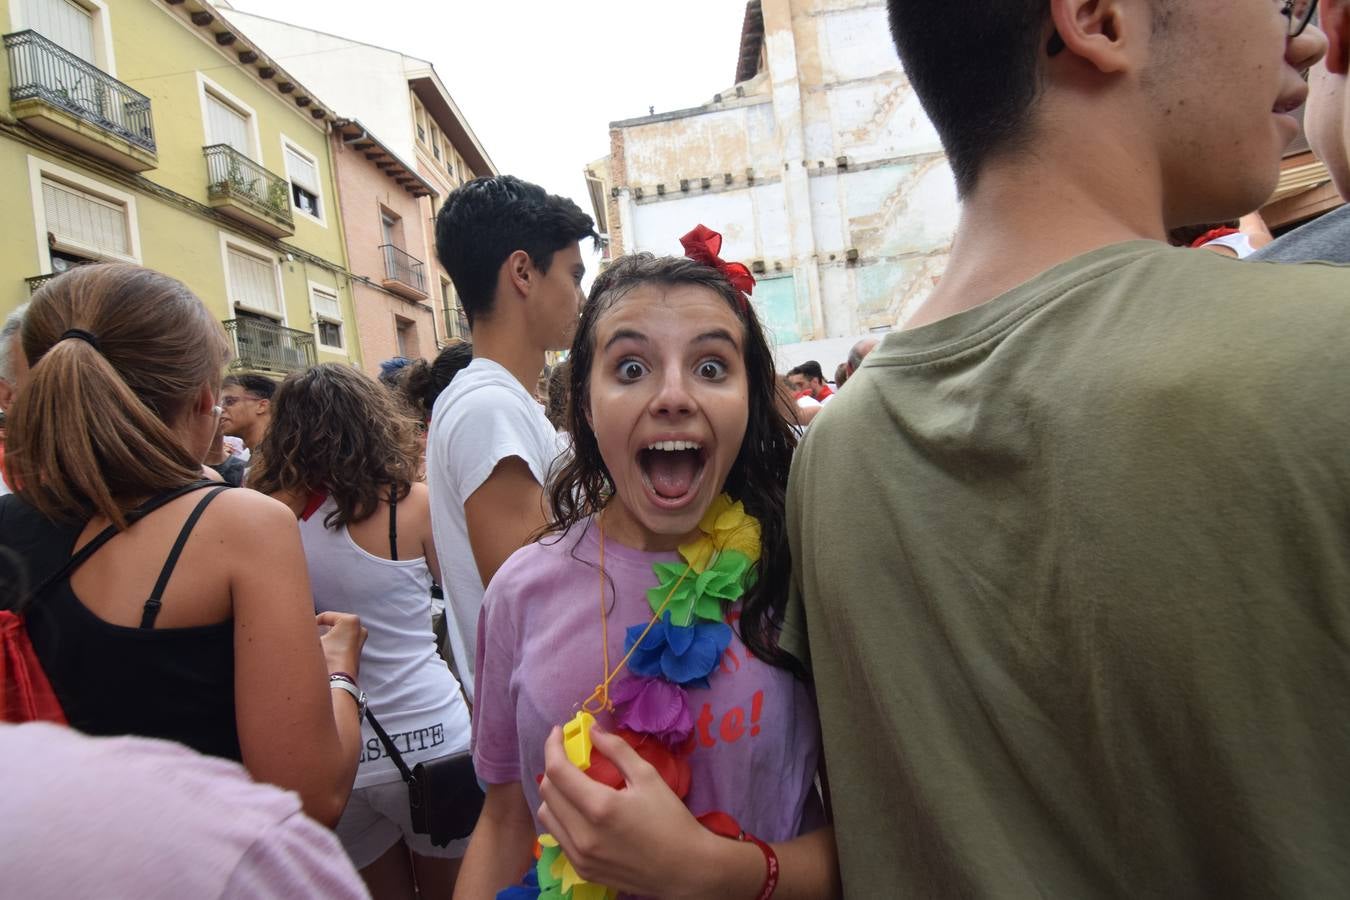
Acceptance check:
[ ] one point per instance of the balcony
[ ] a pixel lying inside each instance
(38, 281)
(261, 344)
(55, 92)
(246, 192)
(403, 274)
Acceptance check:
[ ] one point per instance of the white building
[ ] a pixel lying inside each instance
(818, 166)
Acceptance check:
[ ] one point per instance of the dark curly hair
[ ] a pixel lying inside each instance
(336, 429)
(582, 485)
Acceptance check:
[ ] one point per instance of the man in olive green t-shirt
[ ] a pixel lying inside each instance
(1090, 634)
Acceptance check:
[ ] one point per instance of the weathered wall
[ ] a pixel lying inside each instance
(845, 164)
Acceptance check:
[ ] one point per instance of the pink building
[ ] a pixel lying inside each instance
(424, 135)
(382, 199)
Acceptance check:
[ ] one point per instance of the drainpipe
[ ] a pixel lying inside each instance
(354, 335)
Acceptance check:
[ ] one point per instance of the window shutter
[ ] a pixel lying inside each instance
(84, 219)
(253, 282)
(63, 23)
(224, 125)
(326, 305)
(302, 171)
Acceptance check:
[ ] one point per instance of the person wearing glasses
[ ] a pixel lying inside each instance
(247, 404)
(1089, 634)
(1327, 124)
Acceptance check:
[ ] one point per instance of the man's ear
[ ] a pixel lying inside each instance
(520, 272)
(1335, 21)
(264, 407)
(1103, 33)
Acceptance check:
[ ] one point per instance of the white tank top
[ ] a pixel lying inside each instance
(407, 684)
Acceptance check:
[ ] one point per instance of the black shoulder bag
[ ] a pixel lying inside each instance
(443, 794)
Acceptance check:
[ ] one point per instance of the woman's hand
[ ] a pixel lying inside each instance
(641, 840)
(342, 642)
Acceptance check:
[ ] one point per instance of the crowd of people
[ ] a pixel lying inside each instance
(1089, 634)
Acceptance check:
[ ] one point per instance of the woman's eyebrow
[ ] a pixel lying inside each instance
(718, 334)
(625, 334)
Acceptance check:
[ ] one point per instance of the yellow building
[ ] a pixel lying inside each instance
(151, 131)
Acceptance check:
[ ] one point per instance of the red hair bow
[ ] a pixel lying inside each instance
(702, 246)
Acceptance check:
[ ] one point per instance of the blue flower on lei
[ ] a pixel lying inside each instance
(684, 655)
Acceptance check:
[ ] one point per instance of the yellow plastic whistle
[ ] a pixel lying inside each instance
(577, 740)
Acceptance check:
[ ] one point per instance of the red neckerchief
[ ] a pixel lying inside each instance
(316, 499)
(1213, 235)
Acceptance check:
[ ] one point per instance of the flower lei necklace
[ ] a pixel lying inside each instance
(676, 651)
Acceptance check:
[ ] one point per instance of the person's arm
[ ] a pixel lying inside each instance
(503, 514)
(502, 845)
(643, 840)
(294, 730)
(420, 512)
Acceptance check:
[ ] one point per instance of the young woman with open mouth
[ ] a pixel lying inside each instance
(638, 728)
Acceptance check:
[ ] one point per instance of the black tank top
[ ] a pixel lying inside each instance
(172, 683)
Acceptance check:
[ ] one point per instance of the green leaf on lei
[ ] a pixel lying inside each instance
(700, 595)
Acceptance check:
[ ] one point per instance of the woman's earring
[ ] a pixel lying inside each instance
(217, 410)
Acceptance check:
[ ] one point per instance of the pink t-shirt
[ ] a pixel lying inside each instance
(756, 727)
(133, 817)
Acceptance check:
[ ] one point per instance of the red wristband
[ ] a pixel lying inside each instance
(770, 864)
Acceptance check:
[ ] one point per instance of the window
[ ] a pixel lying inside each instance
(78, 218)
(435, 142)
(391, 228)
(406, 332)
(251, 282)
(420, 115)
(227, 125)
(327, 316)
(64, 23)
(304, 175)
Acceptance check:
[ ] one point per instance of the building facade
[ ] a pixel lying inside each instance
(401, 99)
(380, 196)
(818, 166)
(153, 132)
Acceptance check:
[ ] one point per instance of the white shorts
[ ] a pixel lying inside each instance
(376, 818)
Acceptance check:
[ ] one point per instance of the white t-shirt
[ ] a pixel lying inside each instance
(483, 417)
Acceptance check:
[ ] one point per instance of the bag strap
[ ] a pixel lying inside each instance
(397, 757)
(112, 531)
(393, 522)
(153, 604)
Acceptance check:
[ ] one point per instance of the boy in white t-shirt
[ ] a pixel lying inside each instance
(513, 252)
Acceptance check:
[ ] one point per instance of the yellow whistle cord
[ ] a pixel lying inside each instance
(598, 701)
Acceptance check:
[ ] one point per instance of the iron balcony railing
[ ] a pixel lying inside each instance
(401, 266)
(263, 344)
(41, 69)
(38, 281)
(232, 175)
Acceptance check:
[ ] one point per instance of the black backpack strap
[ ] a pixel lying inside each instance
(383, 735)
(153, 604)
(393, 522)
(107, 534)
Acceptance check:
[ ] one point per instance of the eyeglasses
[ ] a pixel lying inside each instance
(227, 402)
(1300, 13)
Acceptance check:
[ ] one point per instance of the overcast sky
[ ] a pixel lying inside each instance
(540, 80)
